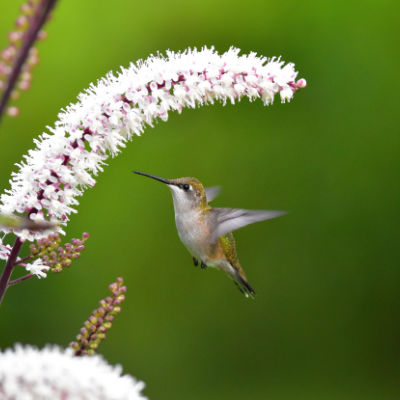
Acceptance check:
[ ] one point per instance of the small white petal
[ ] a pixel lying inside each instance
(4, 250)
(37, 268)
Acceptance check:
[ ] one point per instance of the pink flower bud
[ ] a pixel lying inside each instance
(12, 111)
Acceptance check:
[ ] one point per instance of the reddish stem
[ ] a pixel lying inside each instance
(22, 260)
(5, 276)
(19, 280)
(36, 23)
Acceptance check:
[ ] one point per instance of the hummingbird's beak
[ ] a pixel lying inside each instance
(157, 178)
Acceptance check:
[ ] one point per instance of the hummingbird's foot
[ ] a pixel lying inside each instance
(203, 266)
(195, 261)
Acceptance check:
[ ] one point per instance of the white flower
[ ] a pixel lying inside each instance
(108, 114)
(37, 268)
(4, 250)
(56, 374)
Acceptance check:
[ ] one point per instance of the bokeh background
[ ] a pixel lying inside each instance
(325, 323)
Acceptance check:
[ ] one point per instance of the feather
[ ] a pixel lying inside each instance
(230, 219)
(212, 192)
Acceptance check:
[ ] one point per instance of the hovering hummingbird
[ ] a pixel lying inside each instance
(207, 232)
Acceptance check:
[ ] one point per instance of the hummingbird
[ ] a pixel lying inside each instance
(206, 232)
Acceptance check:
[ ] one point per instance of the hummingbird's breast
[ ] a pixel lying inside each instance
(194, 229)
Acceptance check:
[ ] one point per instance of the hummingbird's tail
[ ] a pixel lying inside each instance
(244, 286)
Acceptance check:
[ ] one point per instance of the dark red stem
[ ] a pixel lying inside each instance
(22, 260)
(19, 280)
(5, 276)
(36, 23)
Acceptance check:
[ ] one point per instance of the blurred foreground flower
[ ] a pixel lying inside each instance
(65, 161)
(53, 373)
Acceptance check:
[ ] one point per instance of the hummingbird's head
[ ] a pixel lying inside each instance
(187, 193)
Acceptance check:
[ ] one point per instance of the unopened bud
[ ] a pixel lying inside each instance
(12, 111)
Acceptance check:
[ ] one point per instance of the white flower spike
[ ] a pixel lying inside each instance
(108, 114)
(56, 374)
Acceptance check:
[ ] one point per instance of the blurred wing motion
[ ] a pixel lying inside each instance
(212, 192)
(18, 223)
(230, 219)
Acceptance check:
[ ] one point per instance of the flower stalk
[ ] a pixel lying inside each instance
(95, 328)
(6, 274)
(55, 256)
(40, 16)
(22, 279)
(47, 254)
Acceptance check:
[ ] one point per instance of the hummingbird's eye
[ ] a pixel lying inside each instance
(185, 187)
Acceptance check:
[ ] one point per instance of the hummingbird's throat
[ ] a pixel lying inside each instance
(183, 201)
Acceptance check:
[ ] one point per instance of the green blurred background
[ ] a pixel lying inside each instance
(325, 323)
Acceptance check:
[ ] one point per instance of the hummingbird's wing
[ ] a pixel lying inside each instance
(230, 219)
(212, 192)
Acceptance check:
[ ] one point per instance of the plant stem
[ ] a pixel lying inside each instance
(19, 280)
(22, 260)
(5, 276)
(36, 23)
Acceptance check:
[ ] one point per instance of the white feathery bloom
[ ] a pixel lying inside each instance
(37, 268)
(108, 114)
(53, 373)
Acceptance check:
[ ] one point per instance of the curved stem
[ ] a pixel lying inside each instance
(41, 14)
(5, 276)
